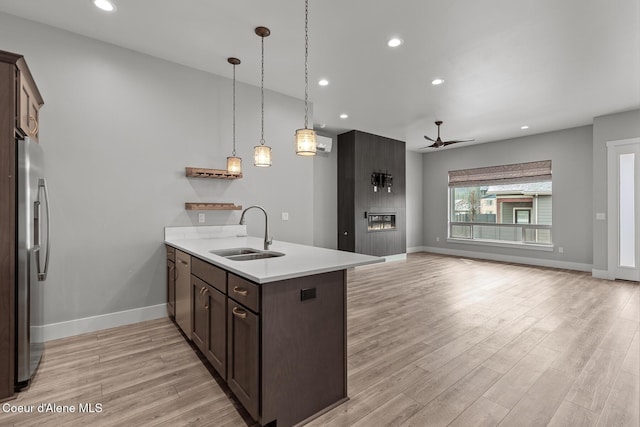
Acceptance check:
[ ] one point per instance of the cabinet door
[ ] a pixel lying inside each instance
(216, 352)
(171, 288)
(29, 109)
(242, 355)
(183, 292)
(200, 310)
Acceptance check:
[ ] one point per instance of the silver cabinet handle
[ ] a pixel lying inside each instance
(240, 291)
(206, 301)
(239, 313)
(36, 127)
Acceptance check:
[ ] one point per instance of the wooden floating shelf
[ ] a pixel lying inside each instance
(212, 207)
(210, 173)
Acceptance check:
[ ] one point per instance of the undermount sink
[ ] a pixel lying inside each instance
(245, 254)
(234, 251)
(257, 255)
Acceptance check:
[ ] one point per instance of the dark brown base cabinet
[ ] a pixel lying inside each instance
(243, 355)
(281, 346)
(171, 281)
(209, 323)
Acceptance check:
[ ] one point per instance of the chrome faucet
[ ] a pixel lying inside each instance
(267, 239)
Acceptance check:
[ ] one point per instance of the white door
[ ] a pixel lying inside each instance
(624, 208)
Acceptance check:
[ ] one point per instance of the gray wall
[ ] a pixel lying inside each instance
(325, 197)
(569, 150)
(414, 196)
(118, 128)
(611, 127)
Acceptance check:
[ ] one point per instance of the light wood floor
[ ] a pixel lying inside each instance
(433, 341)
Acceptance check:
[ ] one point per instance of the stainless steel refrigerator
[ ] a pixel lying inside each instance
(32, 257)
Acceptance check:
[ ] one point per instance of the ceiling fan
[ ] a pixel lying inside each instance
(437, 143)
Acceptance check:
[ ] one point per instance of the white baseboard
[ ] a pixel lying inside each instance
(69, 328)
(398, 257)
(513, 259)
(602, 274)
(414, 249)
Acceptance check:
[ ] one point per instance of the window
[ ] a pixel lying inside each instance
(507, 204)
(522, 216)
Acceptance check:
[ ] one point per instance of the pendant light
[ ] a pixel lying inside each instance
(234, 164)
(262, 153)
(306, 138)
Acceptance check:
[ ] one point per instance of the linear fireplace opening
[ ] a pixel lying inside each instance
(381, 221)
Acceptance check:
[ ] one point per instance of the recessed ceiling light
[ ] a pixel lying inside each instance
(105, 5)
(437, 81)
(344, 116)
(394, 42)
(524, 127)
(323, 125)
(323, 82)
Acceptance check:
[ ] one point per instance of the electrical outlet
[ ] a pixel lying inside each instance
(437, 239)
(285, 216)
(201, 217)
(561, 249)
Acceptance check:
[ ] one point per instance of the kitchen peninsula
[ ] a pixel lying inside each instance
(274, 328)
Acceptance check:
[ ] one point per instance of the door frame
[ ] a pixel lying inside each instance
(612, 204)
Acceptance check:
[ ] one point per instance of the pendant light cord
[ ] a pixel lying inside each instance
(234, 110)
(306, 63)
(262, 96)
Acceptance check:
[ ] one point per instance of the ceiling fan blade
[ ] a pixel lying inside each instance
(434, 145)
(456, 141)
(426, 137)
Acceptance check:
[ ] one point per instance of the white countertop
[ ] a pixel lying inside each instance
(298, 261)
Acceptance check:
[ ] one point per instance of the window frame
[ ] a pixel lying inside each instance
(491, 176)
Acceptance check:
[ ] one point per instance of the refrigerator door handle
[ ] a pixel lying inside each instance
(42, 274)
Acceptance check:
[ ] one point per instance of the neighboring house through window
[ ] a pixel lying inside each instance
(506, 203)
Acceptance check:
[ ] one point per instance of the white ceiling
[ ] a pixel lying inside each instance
(549, 64)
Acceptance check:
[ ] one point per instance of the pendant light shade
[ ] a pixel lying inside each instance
(306, 138)
(305, 142)
(234, 164)
(262, 156)
(262, 152)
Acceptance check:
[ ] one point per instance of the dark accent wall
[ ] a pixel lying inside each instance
(359, 155)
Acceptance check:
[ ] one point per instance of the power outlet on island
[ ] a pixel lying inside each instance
(285, 216)
(201, 217)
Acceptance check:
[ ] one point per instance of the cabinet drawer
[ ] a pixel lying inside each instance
(211, 274)
(171, 253)
(245, 292)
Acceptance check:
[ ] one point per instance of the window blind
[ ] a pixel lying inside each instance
(503, 174)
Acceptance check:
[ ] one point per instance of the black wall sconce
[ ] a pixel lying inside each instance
(382, 180)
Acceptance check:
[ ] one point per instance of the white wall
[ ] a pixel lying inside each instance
(118, 129)
(569, 150)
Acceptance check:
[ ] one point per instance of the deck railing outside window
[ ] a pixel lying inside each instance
(518, 233)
